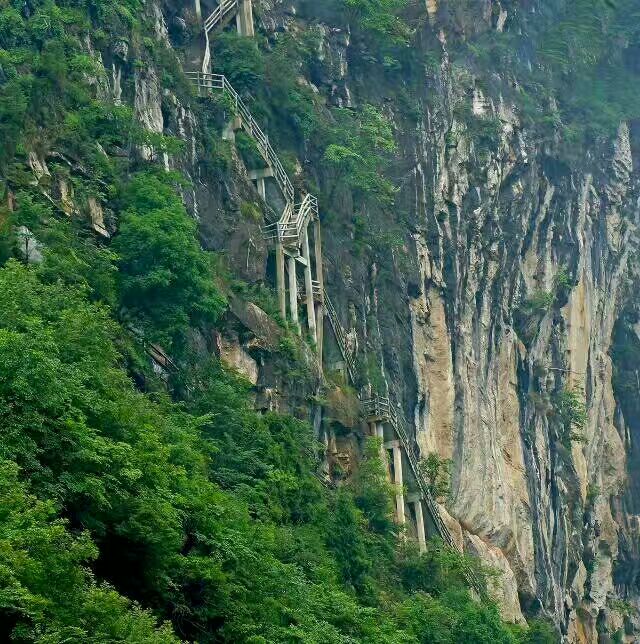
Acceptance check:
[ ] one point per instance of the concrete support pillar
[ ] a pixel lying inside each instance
(379, 433)
(308, 286)
(293, 293)
(244, 18)
(397, 468)
(317, 241)
(280, 287)
(262, 187)
(198, 10)
(229, 131)
(422, 539)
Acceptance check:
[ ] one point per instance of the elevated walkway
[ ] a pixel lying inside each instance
(291, 236)
(241, 10)
(221, 15)
(379, 409)
(290, 232)
(290, 228)
(207, 83)
(340, 335)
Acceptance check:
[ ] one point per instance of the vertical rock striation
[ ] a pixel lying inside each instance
(478, 370)
(513, 288)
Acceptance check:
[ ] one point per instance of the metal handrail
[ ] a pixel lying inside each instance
(287, 230)
(219, 82)
(290, 228)
(341, 338)
(381, 408)
(270, 231)
(219, 14)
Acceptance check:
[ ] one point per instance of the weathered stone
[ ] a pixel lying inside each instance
(255, 319)
(234, 356)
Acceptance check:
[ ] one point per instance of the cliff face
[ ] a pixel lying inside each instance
(479, 375)
(501, 317)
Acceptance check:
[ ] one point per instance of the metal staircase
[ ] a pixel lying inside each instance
(380, 408)
(224, 11)
(341, 338)
(218, 83)
(217, 18)
(290, 227)
(288, 232)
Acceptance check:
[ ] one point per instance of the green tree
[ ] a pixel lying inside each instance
(437, 472)
(571, 410)
(165, 279)
(46, 592)
(372, 492)
(362, 144)
(345, 539)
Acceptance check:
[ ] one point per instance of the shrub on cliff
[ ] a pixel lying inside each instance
(165, 279)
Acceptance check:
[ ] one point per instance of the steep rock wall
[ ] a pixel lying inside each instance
(442, 315)
(483, 233)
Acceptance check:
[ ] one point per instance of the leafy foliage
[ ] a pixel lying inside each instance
(572, 413)
(379, 26)
(366, 140)
(541, 301)
(209, 514)
(239, 60)
(437, 472)
(47, 593)
(165, 280)
(123, 511)
(576, 70)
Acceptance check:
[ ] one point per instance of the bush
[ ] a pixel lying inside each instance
(362, 144)
(528, 315)
(539, 303)
(239, 59)
(437, 472)
(378, 22)
(248, 151)
(571, 411)
(47, 592)
(165, 279)
(251, 211)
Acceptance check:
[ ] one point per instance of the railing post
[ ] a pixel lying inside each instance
(317, 241)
